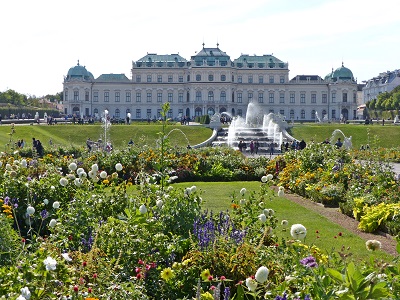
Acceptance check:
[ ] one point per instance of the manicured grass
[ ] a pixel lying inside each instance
(76, 135)
(320, 231)
(388, 136)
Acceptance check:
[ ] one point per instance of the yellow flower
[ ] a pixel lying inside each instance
(167, 274)
(206, 296)
(205, 274)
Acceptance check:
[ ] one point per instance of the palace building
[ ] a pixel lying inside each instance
(210, 82)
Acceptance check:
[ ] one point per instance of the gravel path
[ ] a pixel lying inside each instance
(333, 214)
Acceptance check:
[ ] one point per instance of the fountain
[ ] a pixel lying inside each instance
(106, 124)
(266, 129)
(317, 119)
(347, 144)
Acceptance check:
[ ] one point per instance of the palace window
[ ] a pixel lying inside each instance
(210, 77)
(282, 79)
(313, 98)
(302, 98)
(148, 96)
(95, 96)
(138, 78)
(281, 97)
(76, 95)
(138, 113)
(291, 114)
(170, 78)
(271, 97)
(223, 96)
(86, 95)
(239, 79)
(210, 96)
(292, 98)
(159, 97)
(302, 114)
(138, 97)
(239, 97)
(223, 77)
(148, 78)
(260, 97)
(260, 79)
(198, 96)
(250, 79)
(180, 78)
(180, 97)
(344, 97)
(271, 79)
(106, 96)
(324, 98)
(117, 96)
(170, 97)
(159, 78)
(128, 97)
(198, 77)
(333, 99)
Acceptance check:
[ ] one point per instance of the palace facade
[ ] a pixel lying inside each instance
(210, 82)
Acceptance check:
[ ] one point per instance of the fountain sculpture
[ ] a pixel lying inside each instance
(347, 144)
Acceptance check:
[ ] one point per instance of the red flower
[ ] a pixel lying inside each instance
(210, 278)
(76, 288)
(137, 270)
(84, 264)
(212, 287)
(95, 275)
(140, 262)
(138, 276)
(23, 240)
(340, 234)
(70, 237)
(89, 290)
(223, 277)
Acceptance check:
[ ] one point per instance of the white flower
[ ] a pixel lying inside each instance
(373, 245)
(92, 174)
(70, 176)
(79, 171)
(103, 174)
(262, 218)
(188, 191)
(159, 203)
(281, 191)
(52, 223)
(243, 191)
(53, 187)
(261, 204)
(66, 256)
(63, 181)
(24, 164)
(56, 205)
(193, 189)
(50, 263)
(77, 182)
(262, 274)
(270, 177)
(30, 210)
(95, 168)
(284, 223)
(20, 297)
(251, 284)
(72, 166)
(26, 293)
(298, 231)
(8, 167)
(271, 212)
(118, 167)
(143, 209)
(16, 162)
(264, 179)
(46, 201)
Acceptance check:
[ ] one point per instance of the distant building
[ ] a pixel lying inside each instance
(385, 82)
(211, 82)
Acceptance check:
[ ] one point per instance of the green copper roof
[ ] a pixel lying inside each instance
(210, 57)
(151, 57)
(113, 78)
(265, 60)
(342, 73)
(79, 72)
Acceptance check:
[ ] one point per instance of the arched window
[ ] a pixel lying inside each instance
(210, 96)
(198, 112)
(210, 111)
(223, 96)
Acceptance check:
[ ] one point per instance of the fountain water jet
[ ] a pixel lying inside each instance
(347, 144)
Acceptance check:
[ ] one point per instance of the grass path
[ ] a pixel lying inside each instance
(325, 231)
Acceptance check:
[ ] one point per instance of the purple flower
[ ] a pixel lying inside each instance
(6, 200)
(309, 262)
(227, 293)
(44, 214)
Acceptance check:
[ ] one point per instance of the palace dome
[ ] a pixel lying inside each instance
(79, 71)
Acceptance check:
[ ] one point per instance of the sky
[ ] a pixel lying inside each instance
(42, 39)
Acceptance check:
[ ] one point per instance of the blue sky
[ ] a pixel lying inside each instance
(42, 39)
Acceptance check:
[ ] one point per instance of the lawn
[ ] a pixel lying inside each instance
(320, 231)
(76, 135)
(375, 135)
